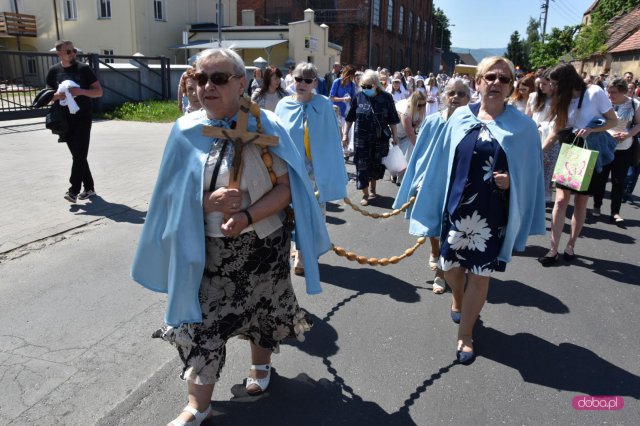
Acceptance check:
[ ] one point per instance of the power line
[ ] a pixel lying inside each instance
(567, 12)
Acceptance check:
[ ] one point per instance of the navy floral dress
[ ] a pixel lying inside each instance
(476, 211)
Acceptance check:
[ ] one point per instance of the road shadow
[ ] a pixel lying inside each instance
(370, 281)
(627, 273)
(321, 341)
(516, 293)
(565, 367)
(332, 220)
(98, 206)
(302, 401)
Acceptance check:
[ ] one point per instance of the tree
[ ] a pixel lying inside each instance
(557, 44)
(533, 31)
(441, 29)
(515, 50)
(608, 9)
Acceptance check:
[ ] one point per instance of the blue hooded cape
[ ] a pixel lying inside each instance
(435, 150)
(170, 255)
(326, 146)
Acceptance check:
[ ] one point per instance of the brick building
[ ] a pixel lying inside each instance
(388, 33)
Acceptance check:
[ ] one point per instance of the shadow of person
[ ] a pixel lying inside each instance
(302, 401)
(619, 271)
(321, 341)
(98, 206)
(517, 294)
(369, 281)
(332, 220)
(563, 367)
(382, 201)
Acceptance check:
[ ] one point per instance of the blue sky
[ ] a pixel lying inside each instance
(490, 23)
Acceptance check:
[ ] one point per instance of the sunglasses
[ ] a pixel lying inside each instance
(70, 51)
(367, 86)
(422, 105)
(217, 78)
(491, 77)
(306, 80)
(452, 93)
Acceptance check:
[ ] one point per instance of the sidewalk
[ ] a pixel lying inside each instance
(34, 165)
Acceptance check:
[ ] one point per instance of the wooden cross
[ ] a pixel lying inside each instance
(241, 137)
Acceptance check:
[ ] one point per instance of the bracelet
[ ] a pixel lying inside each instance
(249, 218)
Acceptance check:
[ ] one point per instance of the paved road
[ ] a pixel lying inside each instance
(75, 346)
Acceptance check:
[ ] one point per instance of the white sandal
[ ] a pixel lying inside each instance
(199, 417)
(439, 285)
(263, 383)
(433, 263)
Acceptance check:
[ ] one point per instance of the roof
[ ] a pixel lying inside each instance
(621, 27)
(591, 8)
(631, 43)
(467, 59)
(236, 44)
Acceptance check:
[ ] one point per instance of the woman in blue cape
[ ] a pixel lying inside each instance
(312, 124)
(482, 193)
(456, 94)
(222, 254)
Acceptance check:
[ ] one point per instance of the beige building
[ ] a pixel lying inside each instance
(278, 45)
(118, 27)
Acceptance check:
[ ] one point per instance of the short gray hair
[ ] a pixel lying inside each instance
(450, 86)
(306, 70)
(222, 52)
(619, 83)
(372, 76)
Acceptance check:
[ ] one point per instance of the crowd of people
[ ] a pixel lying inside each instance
(484, 145)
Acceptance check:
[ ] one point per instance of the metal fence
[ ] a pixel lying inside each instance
(123, 78)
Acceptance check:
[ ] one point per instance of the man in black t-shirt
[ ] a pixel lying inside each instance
(79, 123)
(331, 76)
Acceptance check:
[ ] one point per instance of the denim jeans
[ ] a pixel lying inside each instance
(631, 179)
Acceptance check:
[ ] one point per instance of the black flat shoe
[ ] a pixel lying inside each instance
(568, 257)
(549, 260)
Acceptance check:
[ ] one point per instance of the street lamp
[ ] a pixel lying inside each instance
(442, 36)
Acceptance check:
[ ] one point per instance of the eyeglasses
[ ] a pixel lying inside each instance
(491, 77)
(452, 93)
(422, 105)
(306, 80)
(217, 78)
(367, 86)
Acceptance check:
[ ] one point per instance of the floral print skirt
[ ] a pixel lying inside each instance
(245, 291)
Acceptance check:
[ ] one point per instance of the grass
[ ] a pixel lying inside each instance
(149, 111)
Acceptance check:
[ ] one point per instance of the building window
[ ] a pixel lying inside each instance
(426, 34)
(110, 53)
(32, 68)
(388, 60)
(401, 59)
(390, 15)
(376, 13)
(104, 9)
(70, 10)
(401, 20)
(375, 55)
(159, 10)
(410, 29)
(418, 27)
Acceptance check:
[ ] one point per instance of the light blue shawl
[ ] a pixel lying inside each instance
(170, 255)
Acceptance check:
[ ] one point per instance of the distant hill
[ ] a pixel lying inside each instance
(479, 54)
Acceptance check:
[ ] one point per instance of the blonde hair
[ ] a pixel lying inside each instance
(413, 109)
(488, 62)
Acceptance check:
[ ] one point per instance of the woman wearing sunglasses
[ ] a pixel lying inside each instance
(484, 194)
(222, 254)
(374, 114)
(270, 91)
(311, 122)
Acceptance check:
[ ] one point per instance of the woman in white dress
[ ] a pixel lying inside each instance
(411, 112)
(432, 96)
(538, 107)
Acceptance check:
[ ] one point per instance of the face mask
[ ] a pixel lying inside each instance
(369, 92)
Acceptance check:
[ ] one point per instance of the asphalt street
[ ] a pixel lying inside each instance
(75, 346)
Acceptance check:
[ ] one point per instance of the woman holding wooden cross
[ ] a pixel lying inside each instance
(217, 238)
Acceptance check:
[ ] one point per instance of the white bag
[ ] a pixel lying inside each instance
(395, 161)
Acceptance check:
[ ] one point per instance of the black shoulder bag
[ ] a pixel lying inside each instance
(380, 130)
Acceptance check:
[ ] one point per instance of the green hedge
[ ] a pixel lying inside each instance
(149, 111)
